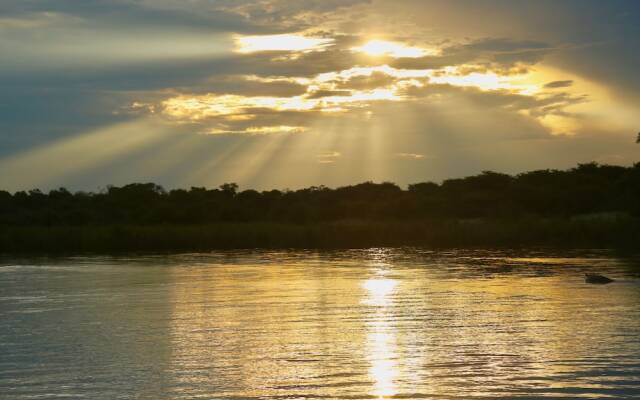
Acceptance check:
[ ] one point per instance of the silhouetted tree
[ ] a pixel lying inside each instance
(586, 189)
(229, 188)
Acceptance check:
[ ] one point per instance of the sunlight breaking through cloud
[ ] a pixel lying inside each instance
(259, 130)
(197, 108)
(485, 81)
(344, 90)
(469, 85)
(64, 159)
(283, 42)
(378, 48)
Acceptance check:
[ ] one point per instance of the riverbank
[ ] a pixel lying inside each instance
(618, 233)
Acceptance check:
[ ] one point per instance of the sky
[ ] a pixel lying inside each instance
(290, 94)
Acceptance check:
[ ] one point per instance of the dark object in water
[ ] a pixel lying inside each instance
(598, 279)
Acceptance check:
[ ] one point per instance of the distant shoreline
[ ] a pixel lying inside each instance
(590, 205)
(620, 233)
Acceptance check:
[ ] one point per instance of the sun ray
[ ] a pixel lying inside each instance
(168, 155)
(217, 169)
(66, 158)
(256, 157)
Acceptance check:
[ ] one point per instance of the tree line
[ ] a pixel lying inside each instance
(588, 189)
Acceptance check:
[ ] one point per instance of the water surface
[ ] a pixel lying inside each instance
(365, 324)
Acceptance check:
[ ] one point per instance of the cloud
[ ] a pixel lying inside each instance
(589, 38)
(329, 157)
(296, 15)
(500, 46)
(105, 14)
(247, 85)
(31, 116)
(31, 21)
(497, 54)
(318, 94)
(411, 156)
(558, 84)
(62, 42)
(259, 130)
(385, 48)
(520, 84)
(377, 79)
(281, 42)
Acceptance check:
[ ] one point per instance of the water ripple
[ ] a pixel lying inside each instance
(358, 324)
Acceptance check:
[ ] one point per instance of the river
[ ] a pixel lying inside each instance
(361, 324)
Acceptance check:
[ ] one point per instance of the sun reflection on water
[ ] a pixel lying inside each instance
(276, 325)
(381, 338)
(379, 291)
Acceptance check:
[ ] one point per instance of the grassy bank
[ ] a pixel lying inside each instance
(560, 233)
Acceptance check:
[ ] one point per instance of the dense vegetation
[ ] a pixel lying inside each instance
(594, 205)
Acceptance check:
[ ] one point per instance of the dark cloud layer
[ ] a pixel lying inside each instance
(558, 84)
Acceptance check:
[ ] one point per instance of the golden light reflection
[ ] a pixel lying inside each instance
(378, 48)
(381, 340)
(379, 291)
(315, 328)
(284, 42)
(384, 368)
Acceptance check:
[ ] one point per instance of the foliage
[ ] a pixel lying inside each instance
(588, 188)
(598, 203)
